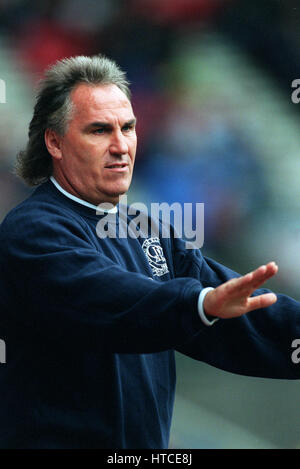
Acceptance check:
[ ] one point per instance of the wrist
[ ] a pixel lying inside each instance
(207, 319)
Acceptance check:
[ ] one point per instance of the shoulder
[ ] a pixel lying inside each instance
(39, 212)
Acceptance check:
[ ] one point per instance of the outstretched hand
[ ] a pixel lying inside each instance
(233, 298)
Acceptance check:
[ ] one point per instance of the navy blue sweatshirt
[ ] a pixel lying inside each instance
(91, 326)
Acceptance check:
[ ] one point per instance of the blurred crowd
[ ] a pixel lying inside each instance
(193, 144)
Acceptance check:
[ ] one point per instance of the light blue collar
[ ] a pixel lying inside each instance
(80, 201)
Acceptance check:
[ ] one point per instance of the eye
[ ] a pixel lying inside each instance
(128, 127)
(101, 130)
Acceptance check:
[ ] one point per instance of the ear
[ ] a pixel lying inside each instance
(53, 144)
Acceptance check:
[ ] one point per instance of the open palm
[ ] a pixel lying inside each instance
(233, 298)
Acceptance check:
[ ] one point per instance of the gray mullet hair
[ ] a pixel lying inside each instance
(53, 108)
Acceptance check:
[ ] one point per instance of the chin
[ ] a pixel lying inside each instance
(116, 192)
(114, 198)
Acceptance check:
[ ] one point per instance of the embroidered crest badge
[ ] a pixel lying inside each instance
(155, 256)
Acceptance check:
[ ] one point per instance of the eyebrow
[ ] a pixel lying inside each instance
(107, 125)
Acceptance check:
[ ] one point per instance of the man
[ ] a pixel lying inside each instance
(90, 327)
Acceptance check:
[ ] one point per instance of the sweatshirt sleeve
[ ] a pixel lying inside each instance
(256, 344)
(64, 287)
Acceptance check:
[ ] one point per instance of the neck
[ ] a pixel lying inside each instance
(69, 187)
(105, 207)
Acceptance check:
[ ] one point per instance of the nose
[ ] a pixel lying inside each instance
(118, 144)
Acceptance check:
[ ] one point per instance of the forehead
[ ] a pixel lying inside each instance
(95, 101)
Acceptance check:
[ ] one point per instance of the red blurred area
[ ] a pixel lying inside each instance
(44, 42)
(177, 11)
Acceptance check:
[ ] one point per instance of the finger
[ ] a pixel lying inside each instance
(266, 270)
(245, 285)
(261, 301)
(234, 286)
(263, 273)
(258, 277)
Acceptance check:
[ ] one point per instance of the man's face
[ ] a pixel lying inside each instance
(94, 159)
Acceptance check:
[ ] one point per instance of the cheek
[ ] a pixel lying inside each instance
(132, 146)
(81, 154)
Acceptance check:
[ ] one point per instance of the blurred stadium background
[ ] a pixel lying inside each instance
(211, 83)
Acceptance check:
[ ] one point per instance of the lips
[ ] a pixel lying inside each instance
(117, 167)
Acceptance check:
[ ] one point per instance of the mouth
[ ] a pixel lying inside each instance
(117, 167)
